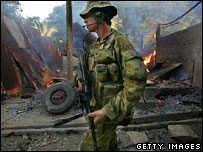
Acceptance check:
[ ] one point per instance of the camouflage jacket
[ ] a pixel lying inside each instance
(117, 76)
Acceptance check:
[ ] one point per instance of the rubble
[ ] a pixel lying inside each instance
(149, 125)
(183, 133)
(167, 117)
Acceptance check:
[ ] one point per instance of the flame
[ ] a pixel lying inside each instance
(58, 70)
(151, 57)
(49, 83)
(44, 29)
(155, 37)
(52, 30)
(159, 101)
(147, 59)
(49, 47)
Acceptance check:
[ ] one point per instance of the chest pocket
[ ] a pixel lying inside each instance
(105, 72)
(101, 56)
(105, 56)
(107, 68)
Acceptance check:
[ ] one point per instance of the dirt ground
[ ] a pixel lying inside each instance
(17, 112)
(22, 114)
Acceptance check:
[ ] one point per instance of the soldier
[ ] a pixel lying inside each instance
(117, 76)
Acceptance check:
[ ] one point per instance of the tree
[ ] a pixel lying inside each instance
(137, 19)
(40, 25)
(12, 9)
(34, 22)
(57, 21)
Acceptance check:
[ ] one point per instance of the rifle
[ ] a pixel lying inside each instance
(84, 95)
(83, 98)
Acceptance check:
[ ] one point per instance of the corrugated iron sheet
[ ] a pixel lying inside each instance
(23, 48)
(8, 73)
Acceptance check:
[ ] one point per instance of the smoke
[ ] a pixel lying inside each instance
(78, 7)
(79, 32)
(140, 18)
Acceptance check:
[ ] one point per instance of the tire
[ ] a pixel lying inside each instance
(58, 108)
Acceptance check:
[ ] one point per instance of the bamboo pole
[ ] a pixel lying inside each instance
(69, 41)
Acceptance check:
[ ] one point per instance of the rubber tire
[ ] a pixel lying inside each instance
(61, 108)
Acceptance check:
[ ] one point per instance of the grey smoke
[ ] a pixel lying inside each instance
(78, 7)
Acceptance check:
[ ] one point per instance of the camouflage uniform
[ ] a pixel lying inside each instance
(117, 78)
(117, 81)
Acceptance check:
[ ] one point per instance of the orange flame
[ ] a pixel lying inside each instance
(151, 57)
(148, 58)
(155, 36)
(49, 83)
(49, 47)
(159, 101)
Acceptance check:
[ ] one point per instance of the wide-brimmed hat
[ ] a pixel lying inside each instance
(112, 11)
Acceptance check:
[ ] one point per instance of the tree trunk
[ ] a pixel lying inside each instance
(69, 42)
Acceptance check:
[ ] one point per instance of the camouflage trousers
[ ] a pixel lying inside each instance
(106, 139)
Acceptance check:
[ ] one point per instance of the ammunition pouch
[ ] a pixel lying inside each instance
(101, 72)
(113, 71)
(107, 74)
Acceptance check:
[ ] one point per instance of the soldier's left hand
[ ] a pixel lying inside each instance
(98, 116)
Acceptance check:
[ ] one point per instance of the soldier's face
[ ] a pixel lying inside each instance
(89, 19)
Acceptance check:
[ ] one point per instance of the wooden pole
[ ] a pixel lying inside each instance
(69, 41)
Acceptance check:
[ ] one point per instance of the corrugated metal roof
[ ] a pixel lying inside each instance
(8, 73)
(23, 48)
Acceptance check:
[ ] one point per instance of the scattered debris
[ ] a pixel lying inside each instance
(164, 71)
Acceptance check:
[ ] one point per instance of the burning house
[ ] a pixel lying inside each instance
(171, 102)
(183, 47)
(28, 61)
(175, 70)
(181, 50)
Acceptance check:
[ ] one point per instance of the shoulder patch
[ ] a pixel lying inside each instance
(136, 53)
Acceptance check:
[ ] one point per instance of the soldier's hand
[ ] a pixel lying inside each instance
(79, 85)
(98, 116)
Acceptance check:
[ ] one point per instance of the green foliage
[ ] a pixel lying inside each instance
(137, 20)
(140, 18)
(34, 22)
(57, 19)
(12, 9)
(53, 26)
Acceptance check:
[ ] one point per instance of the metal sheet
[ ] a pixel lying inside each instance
(8, 72)
(36, 56)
